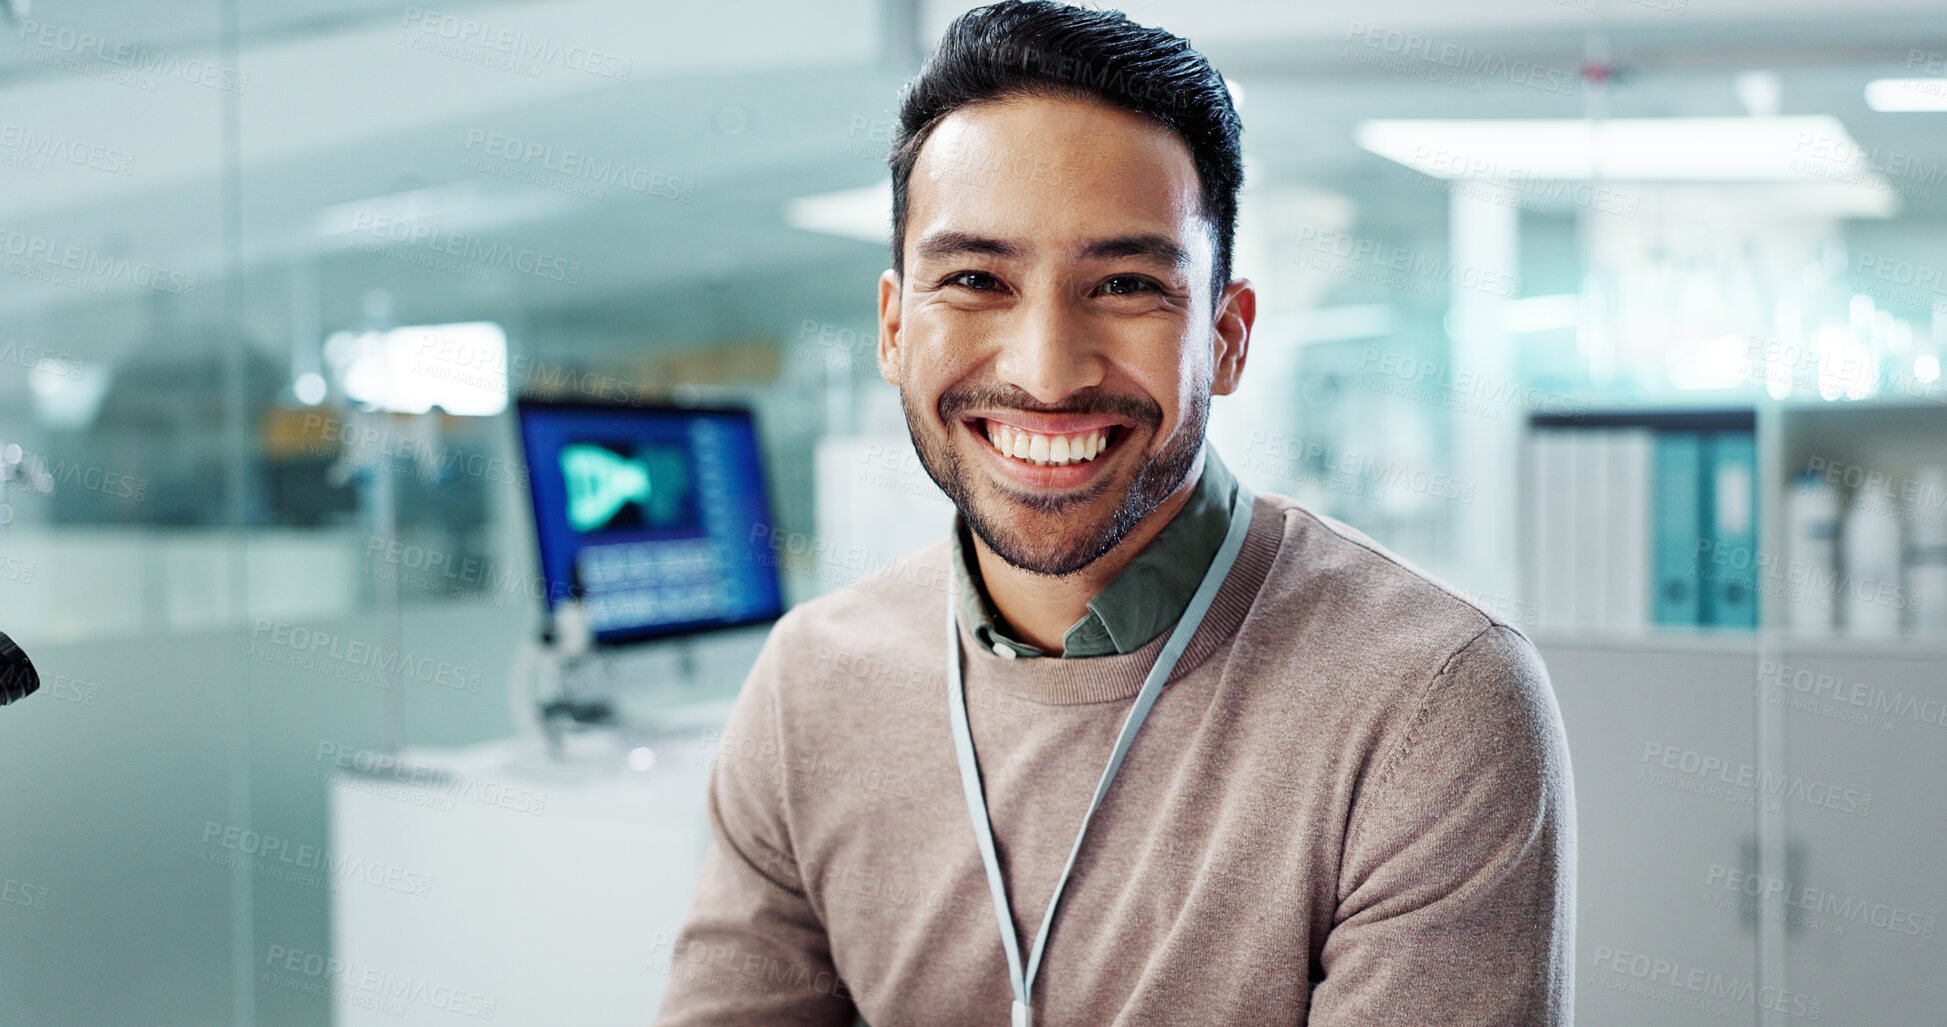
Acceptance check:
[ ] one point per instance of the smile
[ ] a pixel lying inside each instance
(1047, 450)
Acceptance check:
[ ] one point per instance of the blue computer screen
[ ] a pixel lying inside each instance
(655, 517)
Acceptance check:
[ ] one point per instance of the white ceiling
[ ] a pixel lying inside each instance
(755, 102)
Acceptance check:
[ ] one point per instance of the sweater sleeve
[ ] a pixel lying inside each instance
(752, 949)
(1456, 901)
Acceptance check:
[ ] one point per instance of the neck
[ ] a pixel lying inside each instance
(1040, 609)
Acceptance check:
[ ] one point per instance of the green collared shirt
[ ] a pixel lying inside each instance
(1143, 599)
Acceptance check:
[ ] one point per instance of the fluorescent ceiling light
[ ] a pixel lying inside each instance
(864, 214)
(1900, 95)
(1741, 149)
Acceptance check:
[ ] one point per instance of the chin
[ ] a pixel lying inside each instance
(1046, 533)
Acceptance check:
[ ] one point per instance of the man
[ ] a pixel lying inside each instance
(1318, 787)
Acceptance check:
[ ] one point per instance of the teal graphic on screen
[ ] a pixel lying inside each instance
(612, 486)
(655, 519)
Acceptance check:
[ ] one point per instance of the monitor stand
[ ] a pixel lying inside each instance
(562, 699)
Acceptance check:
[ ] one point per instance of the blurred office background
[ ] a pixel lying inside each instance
(1625, 316)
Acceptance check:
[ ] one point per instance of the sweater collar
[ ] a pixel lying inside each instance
(1119, 676)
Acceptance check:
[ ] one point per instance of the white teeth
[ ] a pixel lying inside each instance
(1047, 450)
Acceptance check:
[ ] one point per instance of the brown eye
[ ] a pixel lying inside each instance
(978, 281)
(1128, 285)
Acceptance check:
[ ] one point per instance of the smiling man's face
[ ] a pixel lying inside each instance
(1053, 337)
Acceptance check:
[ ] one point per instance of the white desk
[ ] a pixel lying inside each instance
(494, 883)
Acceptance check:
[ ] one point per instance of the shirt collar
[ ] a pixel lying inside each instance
(1143, 599)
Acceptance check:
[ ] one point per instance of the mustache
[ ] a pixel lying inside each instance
(1092, 400)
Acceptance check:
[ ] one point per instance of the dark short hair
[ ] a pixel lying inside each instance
(1036, 48)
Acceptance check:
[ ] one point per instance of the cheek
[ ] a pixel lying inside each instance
(932, 359)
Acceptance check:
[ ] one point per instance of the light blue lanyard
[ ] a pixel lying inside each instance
(1179, 640)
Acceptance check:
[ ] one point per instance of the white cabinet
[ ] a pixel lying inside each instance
(1761, 828)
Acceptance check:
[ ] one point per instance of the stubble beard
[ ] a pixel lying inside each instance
(1071, 548)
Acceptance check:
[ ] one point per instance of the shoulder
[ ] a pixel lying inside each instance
(1339, 584)
(1362, 640)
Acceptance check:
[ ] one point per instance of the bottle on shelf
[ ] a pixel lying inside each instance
(1871, 597)
(1926, 553)
(1812, 549)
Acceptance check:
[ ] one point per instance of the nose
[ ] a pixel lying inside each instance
(1049, 353)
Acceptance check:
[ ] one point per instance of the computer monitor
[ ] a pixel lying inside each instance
(655, 517)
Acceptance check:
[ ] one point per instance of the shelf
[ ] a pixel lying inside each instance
(1671, 640)
(1679, 640)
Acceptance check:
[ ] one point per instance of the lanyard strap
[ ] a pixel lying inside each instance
(1179, 640)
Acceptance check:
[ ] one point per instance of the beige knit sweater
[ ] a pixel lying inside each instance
(1350, 805)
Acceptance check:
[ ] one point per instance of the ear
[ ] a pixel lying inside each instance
(1231, 341)
(889, 326)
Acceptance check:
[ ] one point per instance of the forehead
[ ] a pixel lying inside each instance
(1053, 173)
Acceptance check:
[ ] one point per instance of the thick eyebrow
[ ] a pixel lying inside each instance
(1156, 247)
(950, 243)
